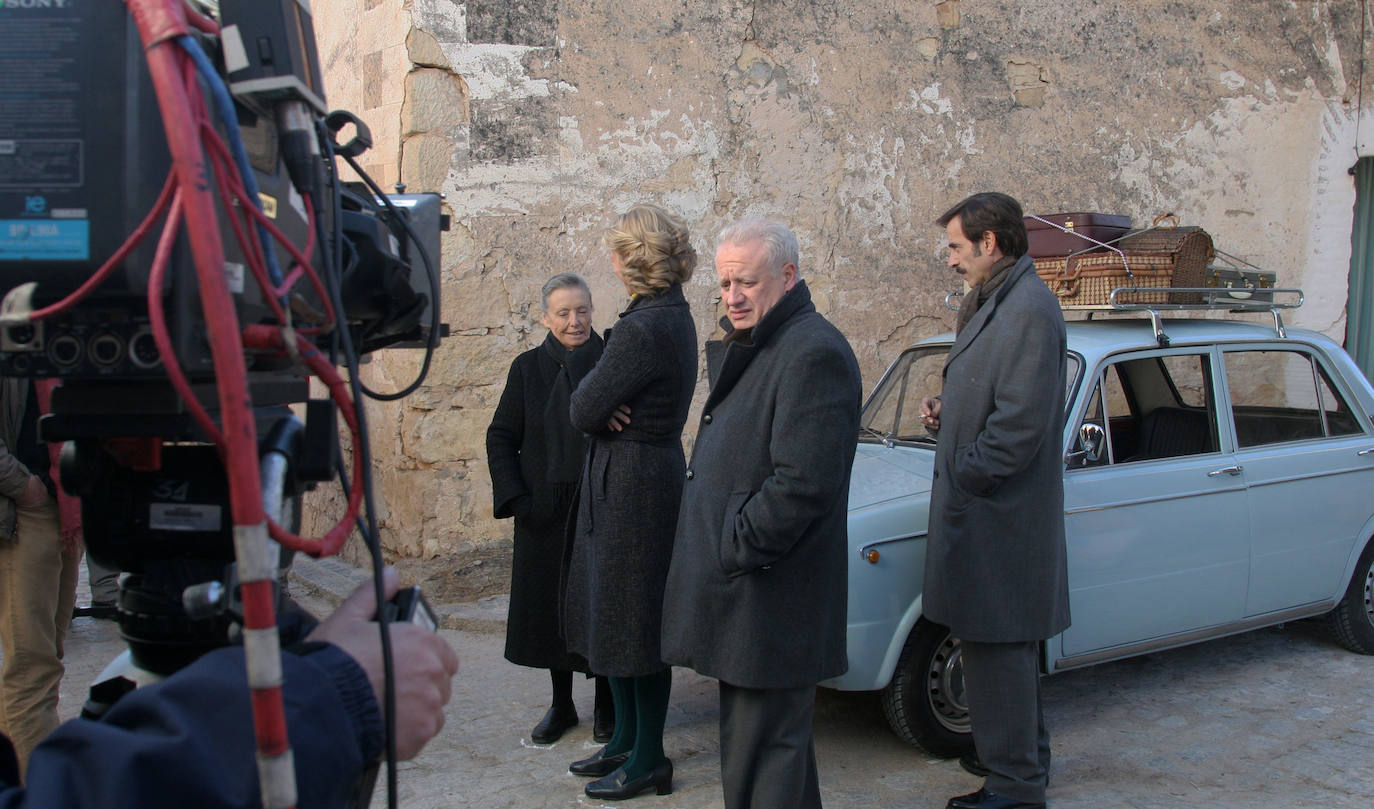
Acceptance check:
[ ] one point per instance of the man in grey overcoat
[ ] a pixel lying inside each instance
(756, 593)
(995, 571)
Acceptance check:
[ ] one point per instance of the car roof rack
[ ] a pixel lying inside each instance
(1204, 299)
(1207, 299)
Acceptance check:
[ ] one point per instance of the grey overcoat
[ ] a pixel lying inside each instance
(757, 592)
(996, 567)
(617, 555)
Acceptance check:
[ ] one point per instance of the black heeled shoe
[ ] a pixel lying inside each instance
(599, 764)
(552, 727)
(617, 787)
(603, 725)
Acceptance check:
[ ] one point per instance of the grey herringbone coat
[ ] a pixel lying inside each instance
(757, 593)
(996, 567)
(617, 555)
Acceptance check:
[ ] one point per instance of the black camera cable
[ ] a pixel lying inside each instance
(332, 247)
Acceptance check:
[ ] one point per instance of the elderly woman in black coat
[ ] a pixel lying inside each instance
(633, 405)
(535, 457)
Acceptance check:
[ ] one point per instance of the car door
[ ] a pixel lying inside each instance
(1156, 528)
(1299, 443)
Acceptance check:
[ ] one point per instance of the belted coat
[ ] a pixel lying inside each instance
(996, 565)
(757, 592)
(617, 555)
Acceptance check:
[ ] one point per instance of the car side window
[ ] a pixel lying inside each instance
(1156, 406)
(893, 411)
(1284, 395)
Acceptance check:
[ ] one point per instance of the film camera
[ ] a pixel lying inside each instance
(84, 168)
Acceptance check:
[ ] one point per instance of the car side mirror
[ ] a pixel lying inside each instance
(1091, 438)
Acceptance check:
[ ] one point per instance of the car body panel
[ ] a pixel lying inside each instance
(1162, 552)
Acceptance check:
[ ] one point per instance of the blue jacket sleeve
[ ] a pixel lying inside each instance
(188, 741)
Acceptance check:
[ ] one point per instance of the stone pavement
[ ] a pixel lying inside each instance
(1276, 718)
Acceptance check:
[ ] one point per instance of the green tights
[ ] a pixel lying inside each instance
(641, 708)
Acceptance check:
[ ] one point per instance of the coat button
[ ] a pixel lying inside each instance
(706, 418)
(689, 474)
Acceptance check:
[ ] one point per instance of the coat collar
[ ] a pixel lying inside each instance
(672, 296)
(730, 361)
(1023, 266)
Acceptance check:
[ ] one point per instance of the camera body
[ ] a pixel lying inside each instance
(78, 175)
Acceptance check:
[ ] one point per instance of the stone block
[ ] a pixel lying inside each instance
(425, 161)
(435, 102)
(423, 49)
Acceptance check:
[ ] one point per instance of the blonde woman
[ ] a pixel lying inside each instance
(633, 405)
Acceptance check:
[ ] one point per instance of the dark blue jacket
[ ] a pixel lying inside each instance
(188, 741)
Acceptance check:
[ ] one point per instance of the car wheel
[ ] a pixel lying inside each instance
(925, 702)
(1352, 621)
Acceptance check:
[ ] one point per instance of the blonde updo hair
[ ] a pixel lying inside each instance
(655, 248)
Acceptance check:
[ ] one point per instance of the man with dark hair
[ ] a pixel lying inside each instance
(757, 591)
(996, 571)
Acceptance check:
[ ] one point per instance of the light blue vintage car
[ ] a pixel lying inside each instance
(1218, 477)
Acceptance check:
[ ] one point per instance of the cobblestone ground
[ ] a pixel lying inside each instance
(1276, 718)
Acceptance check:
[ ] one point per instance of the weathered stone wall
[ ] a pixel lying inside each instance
(857, 121)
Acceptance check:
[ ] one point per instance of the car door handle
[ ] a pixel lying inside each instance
(1226, 470)
(1364, 452)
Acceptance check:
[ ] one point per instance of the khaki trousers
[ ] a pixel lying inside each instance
(37, 593)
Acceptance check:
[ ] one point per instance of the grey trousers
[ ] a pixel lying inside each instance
(767, 752)
(1002, 684)
(104, 582)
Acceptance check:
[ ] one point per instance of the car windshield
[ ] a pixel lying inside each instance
(893, 412)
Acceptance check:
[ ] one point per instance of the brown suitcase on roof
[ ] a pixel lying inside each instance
(1047, 240)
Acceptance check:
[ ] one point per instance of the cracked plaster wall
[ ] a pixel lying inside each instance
(857, 122)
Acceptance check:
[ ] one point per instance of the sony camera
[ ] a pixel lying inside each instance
(84, 167)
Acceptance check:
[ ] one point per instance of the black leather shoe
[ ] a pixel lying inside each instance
(102, 610)
(973, 765)
(616, 787)
(603, 726)
(982, 799)
(551, 728)
(599, 764)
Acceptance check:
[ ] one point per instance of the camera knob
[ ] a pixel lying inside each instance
(204, 600)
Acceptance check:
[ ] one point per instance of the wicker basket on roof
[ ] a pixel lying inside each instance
(1153, 258)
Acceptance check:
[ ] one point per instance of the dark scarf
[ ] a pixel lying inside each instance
(979, 295)
(565, 445)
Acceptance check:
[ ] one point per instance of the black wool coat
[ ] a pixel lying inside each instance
(535, 455)
(757, 595)
(617, 556)
(996, 565)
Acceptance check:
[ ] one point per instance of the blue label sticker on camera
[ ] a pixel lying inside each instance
(45, 240)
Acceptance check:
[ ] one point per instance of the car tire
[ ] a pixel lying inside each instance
(1352, 621)
(924, 704)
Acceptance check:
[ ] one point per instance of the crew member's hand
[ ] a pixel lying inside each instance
(619, 419)
(34, 495)
(424, 664)
(930, 413)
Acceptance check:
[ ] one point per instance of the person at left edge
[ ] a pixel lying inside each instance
(633, 404)
(535, 456)
(38, 574)
(188, 741)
